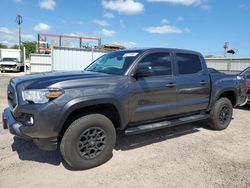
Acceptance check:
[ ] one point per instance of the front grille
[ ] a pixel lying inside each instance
(9, 66)
(11, 94)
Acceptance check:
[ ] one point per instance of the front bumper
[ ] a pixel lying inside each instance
(6, 68)
(18, 129)
(10, 123)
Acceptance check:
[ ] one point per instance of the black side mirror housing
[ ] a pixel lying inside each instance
(143, 72)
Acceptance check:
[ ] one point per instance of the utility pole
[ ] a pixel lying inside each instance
(19, 21)
(226, 46)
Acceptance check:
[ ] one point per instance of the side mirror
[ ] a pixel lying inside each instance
(143, 71)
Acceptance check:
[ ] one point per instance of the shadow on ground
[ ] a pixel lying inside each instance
(245, 107)
(27, 150)
(124, 142)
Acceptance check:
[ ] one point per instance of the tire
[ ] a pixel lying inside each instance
(81, 149)
(221, 114)
(21, 69)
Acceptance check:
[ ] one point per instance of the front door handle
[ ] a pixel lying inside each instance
(171, 85)
(202, 82)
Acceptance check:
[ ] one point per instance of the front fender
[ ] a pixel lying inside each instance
(82, 102)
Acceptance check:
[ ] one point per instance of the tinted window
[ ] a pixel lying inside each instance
(246, 73)
(158, 63)
(188, 63)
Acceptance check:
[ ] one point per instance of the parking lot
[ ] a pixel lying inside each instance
(189, 155)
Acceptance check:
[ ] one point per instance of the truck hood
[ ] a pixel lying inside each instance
(43, 80)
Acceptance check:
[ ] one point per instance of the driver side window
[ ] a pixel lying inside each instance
(158, 63)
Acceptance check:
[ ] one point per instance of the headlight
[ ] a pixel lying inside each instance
(41, 95)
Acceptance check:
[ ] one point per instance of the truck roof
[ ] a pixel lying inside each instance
(159, 49)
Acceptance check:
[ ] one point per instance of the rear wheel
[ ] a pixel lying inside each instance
(88, 142)
(221, 114)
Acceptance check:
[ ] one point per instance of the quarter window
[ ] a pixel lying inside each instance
(188, 63)
(158, 63)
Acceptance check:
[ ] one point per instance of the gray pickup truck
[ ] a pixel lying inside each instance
(131, 90)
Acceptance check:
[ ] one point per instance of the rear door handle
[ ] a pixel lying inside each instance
(203, 82)
(170, 85)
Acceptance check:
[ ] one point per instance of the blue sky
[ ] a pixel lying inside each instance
(202, 25)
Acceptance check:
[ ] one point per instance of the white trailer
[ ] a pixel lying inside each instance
(11, 60)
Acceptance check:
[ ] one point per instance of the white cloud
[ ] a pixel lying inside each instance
(205, 7)
(106, 33)
(41, 27)
(28, 37)
(10, 36)
(122, 24)
(127, 7)
(164, 21)
(108, 15)
(126, 44)
(181, 2)
(78, 22)
(180, 19)
(75, 34)
(165, 29)
(18, 1)
(48, 4)
(102, 23)
(4, 42)
(243, 6)
(5, 30)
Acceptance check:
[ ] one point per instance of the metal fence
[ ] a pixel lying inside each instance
(73, 58)
(235, 64)
(66, 59)
(40, 63)
(63, 59)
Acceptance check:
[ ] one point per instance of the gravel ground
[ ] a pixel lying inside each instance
(189, 155)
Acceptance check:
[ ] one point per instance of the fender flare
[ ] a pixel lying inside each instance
(82, 102)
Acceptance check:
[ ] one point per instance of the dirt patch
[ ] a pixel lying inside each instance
(189, 155)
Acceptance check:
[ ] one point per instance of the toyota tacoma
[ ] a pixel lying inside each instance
(134, 91)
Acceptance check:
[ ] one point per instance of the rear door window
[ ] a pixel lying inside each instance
(188, 63)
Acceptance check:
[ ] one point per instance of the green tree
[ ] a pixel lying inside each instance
(15, 46)
(3, 45)
(209, 56)
(30, 47)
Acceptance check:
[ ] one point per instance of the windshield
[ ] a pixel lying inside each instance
(114, 63)
(9, 59)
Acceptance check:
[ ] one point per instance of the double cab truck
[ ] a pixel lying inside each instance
(134, 91)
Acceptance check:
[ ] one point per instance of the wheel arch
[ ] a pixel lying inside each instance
(229, 94)
(109, 107)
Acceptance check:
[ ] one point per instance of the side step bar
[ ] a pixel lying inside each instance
(164, 124)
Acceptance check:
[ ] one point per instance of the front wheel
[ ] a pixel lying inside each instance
(221, 114)
(88, 142)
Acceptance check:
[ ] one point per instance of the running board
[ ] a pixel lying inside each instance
(164, 124)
